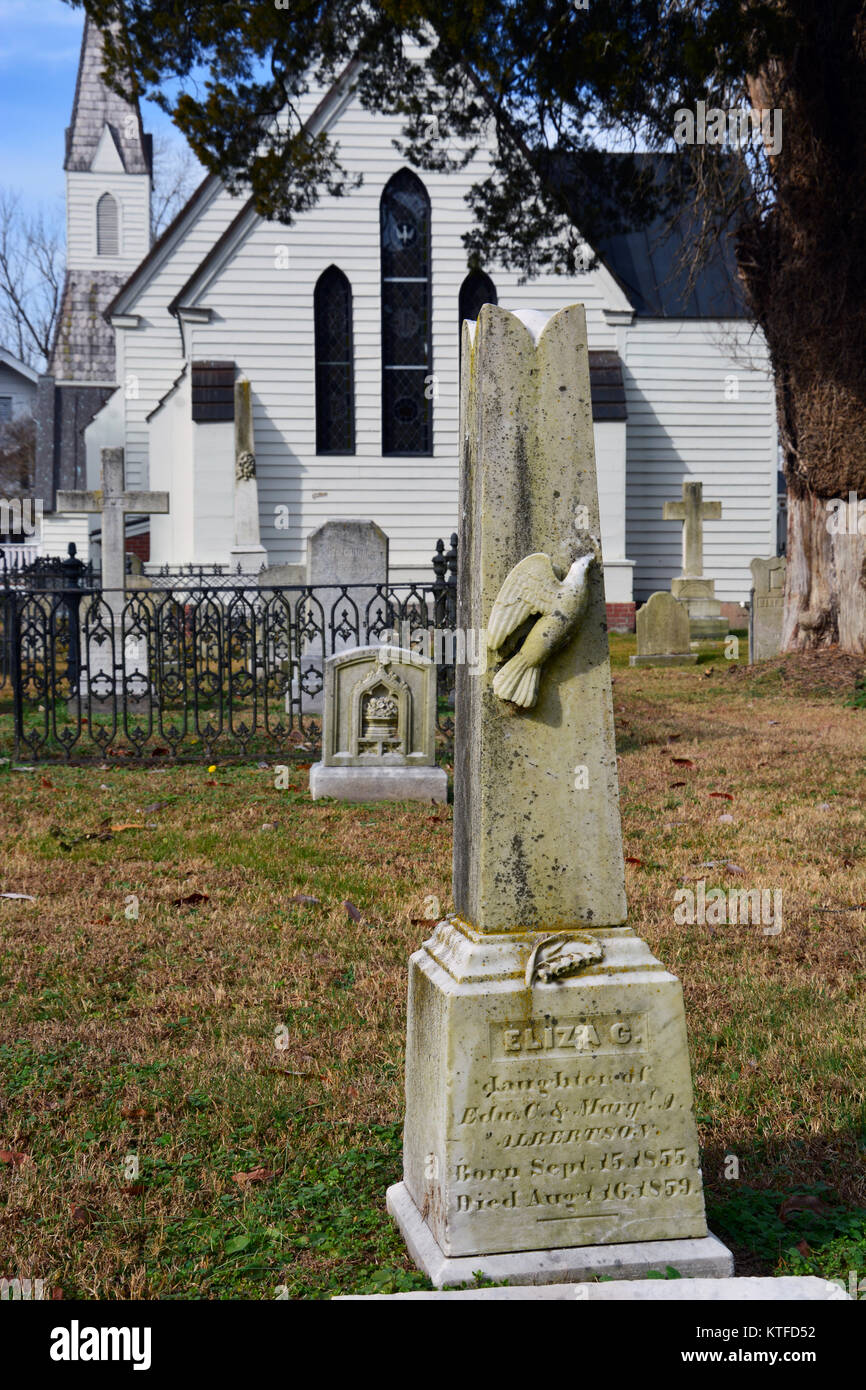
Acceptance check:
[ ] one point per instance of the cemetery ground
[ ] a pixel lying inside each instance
(204, 1100)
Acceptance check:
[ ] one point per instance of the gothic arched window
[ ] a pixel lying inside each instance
(407, 363)
(335, 387)
(477, 289)
(107, 237)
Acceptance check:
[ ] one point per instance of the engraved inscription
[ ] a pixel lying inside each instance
(553, 1037)
(575, 1139)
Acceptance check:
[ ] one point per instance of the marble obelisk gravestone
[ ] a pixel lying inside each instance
(247, 554)
(549, 1128)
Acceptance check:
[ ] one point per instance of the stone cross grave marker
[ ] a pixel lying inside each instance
(767, 608)
(695, 590)
(692, 511)
(112, 500)
(548, 1091)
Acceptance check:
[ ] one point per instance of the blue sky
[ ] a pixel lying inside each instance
(39, 47)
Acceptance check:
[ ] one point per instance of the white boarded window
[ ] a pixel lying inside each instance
(107, 242)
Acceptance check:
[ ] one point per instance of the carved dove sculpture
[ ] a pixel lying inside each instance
(532, 587)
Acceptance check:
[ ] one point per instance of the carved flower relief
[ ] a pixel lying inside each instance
(245, 466)
(380, 715)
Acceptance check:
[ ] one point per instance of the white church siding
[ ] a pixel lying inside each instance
(150, 356)
(132, 195)
(262, 317)
(680, 425)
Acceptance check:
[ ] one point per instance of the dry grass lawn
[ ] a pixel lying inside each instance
(200, 1073)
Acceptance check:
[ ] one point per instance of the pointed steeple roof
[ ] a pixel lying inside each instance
(97, 105)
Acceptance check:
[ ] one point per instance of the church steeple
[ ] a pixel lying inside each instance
(108, 173)
(100, 116)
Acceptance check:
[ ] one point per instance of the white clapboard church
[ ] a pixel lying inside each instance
(346, 325)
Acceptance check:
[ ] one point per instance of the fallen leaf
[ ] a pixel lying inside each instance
(190, 899)
(805, 1201)
(17, 1159)
(677, 784)
(211, 783)
(803, 1247)
(723, 796)
(131, 825)
(134, 1189)
(44, 782)
(630, 859)
(159, 752)
(683, 762)
(352, 911)
(80, 1216)
(155, 806)
(134, 1112)
(254, 1175)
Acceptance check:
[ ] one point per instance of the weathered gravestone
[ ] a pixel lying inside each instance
(247, 554)
(548, 1093)
(340, 552)
(378, 728)
(693, 587)
(114, 632)
(663, 634)
(767, 607)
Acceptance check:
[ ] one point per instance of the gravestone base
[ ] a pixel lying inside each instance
(661, 659)
(379, 783)
(699, 1258)
(250, 559)
(568, 1122)
(708, 629)
(705, 611)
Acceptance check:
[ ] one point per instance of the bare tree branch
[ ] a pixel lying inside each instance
(31, 278)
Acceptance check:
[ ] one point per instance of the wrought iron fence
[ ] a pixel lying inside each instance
(197, 668)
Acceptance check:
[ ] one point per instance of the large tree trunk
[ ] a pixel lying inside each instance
(825, 595)
(805, 273)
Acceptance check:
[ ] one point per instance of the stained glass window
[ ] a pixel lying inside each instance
(335, 388)
(407, 366)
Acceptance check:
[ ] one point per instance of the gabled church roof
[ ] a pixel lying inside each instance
(652, 264)
(97, 105)
(124, 301)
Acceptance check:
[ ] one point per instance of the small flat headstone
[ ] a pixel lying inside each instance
(378, 728)
(767, 607)
(663, 633)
